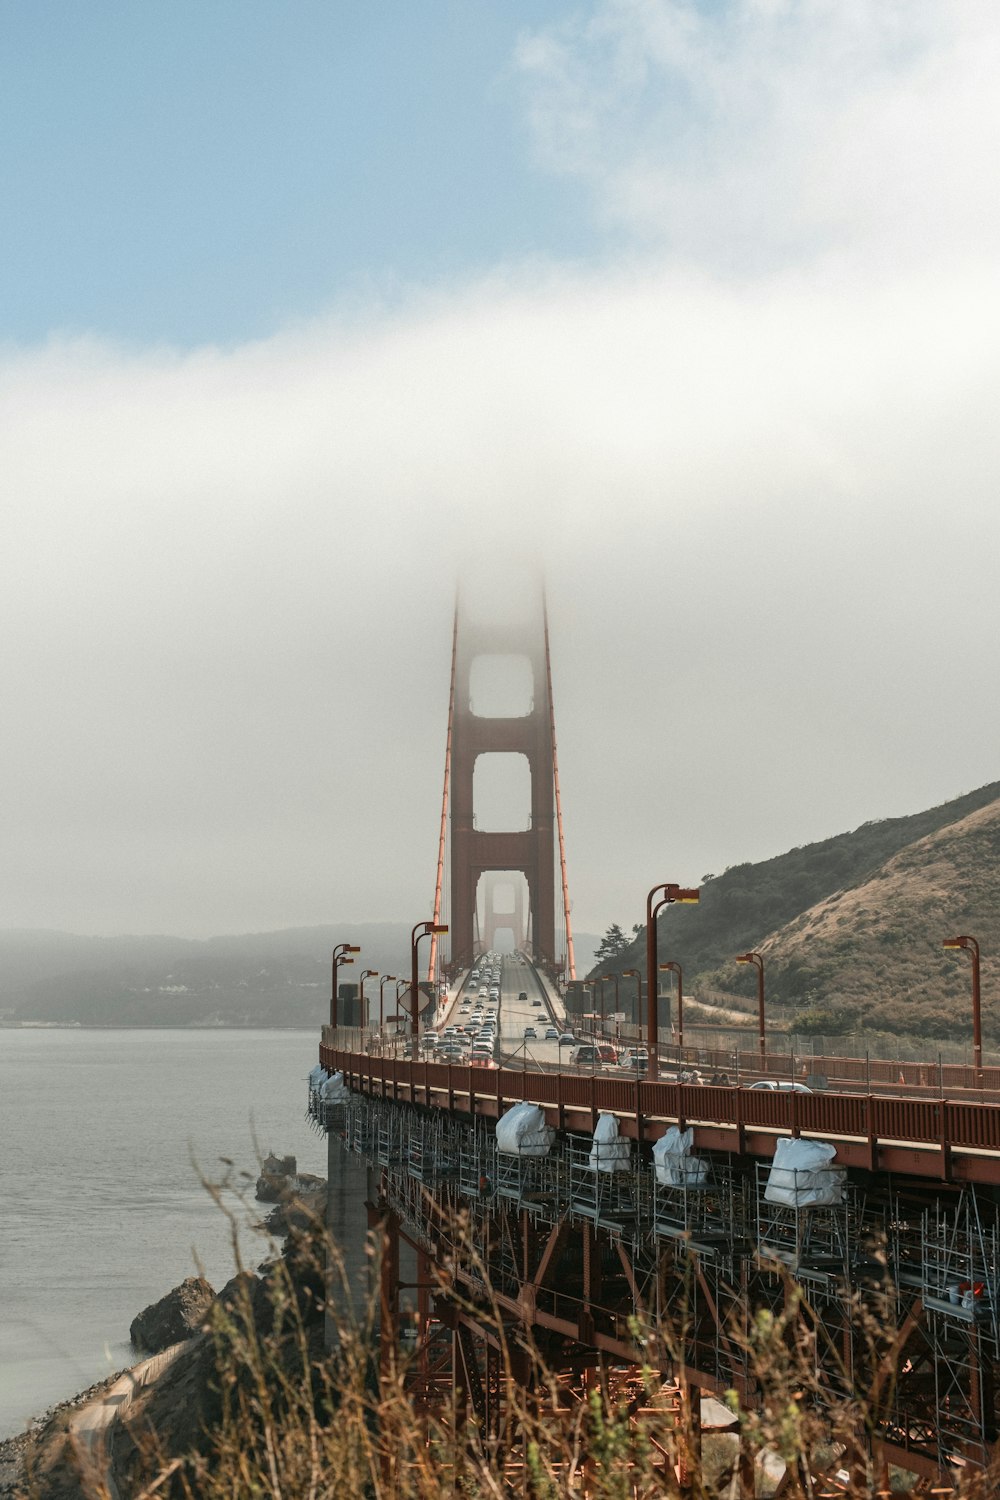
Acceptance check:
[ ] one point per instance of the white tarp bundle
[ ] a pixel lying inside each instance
(334, 1090)
(802, 1176)
(609, 1153)
(672, 1159)
(522, 1131)
(317, 1077)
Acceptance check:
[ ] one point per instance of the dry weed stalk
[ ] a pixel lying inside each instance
(287, 1421)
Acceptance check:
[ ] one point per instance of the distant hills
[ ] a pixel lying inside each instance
(255, 979)
(851, 928)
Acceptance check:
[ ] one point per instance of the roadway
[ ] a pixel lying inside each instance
(538, 1010)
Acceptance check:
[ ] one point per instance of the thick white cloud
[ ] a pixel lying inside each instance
(765, 504)
(757, 132)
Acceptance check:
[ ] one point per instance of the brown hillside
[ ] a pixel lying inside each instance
(875, 948)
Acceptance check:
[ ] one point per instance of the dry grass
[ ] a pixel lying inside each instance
(283, 1420)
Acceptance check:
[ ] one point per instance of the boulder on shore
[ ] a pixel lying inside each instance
(176, 1316)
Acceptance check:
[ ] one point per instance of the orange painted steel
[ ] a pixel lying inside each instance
(439, 886)
(570, 956)
(476, 851)
(878, 1131)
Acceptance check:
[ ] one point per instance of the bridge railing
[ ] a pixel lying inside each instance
(792, 1063)
(945, 1123)
(852, 1074)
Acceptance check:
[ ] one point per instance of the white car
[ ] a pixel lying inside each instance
(781, 1086)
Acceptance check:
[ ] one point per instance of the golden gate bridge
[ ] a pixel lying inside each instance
(646, 1199)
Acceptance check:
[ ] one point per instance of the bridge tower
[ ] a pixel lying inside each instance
(531, 851)
(503, 918)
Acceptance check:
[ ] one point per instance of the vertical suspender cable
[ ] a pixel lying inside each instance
(570, 959)
(432, 961)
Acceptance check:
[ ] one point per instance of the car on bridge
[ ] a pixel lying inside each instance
(449, 1051)
(781, 1086)
(599, 1055)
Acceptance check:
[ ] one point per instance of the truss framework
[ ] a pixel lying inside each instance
(898, 1285)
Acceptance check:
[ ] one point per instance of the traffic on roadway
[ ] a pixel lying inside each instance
(501, 1011)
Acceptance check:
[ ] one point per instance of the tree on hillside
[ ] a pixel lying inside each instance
(614, 943)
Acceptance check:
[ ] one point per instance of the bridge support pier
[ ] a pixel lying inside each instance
(346, 1259)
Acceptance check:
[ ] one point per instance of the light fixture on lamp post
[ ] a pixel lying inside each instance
(385, 979)
(421, 929)
(637, 976)
(339, 957)
(659, 897)
(365, 974)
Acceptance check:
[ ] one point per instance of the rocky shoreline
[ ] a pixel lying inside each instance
(169, 1386)
(14, 1450)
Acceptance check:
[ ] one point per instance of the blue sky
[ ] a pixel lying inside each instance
(193, 172)
(310, 308)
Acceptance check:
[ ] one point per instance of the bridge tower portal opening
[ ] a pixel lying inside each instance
(501, 908)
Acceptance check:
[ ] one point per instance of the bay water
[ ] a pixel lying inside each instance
(103, 1135)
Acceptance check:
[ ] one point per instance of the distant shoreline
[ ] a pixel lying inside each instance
(147, 1026)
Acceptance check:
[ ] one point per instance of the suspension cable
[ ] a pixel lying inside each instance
(570, 958)
(432, 960)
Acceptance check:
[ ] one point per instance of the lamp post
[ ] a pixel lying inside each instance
(422, 929)
(972, 948)
(615, 980)
(381, 999)
(591, 985)
(339, 956)
(659, 897)
(635, 974)
(365, 974)
(758, 963)
(680, 998)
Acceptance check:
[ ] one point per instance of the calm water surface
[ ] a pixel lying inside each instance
(101, 1208)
